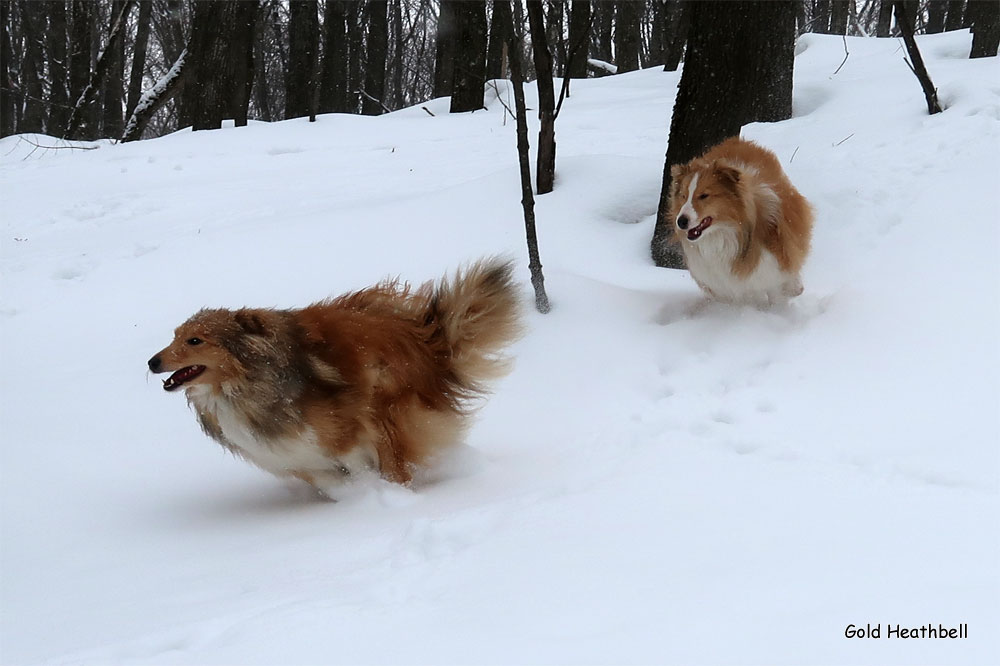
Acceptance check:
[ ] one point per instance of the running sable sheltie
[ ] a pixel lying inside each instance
(381, 378)
(743, 226)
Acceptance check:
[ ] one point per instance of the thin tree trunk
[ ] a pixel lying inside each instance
(470, 56)
(89, 94)
(821, 17)
(398, 55)
(303, 32)
(677, 34)
(79, 64)
(956, 15)
(546, 164)
(905, 23)
(7, 102)
(603, 30)
(936, 10)
(527, 199)
(32, 63)
(113, 88)
(840, 12)
(139, 55)
(355, 55)
(884, 26)
(494, 52)
(154, 99)
(377, 52)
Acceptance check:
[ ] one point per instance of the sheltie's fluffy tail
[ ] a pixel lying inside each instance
(477, 314)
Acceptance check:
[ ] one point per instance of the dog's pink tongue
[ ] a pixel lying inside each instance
(694, 233)
(181, 376)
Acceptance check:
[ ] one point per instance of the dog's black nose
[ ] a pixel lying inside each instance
(154, 364)
(682, 222)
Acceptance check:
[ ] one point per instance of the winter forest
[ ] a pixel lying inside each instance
(662, 476)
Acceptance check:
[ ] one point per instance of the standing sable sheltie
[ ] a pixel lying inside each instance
(744, 228)
(380, 378)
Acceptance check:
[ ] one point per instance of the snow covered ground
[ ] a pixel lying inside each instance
(647, 486)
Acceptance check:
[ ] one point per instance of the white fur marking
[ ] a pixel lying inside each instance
(688, 207)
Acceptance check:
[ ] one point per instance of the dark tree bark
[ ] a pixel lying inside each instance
(579, 38)
(7, 102)
(398, 47)
(956, 15)
(32, 66)
(303, 33)
(377, 52)
(604, 15)
(79, 64)
(58, 72)
(333, 83)
(470, 56)
(555, 35)
(355, 55)
(884, 26)
(220, 57)
(821, 17)
(262, 48)
(985, 19)
(516, 35)
(444, 58)
(840, 12)
(546, 164)
(107, 58)
(495, 52)
(751, 69)
(143, 22)
(627, 35)
(658, 31)
(905, 22)
(677, 33)
(113, 88)
(156, 98)
(936, 10)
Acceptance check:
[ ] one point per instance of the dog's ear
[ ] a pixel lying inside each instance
(678, 171)
(727, 174)
(250, 322)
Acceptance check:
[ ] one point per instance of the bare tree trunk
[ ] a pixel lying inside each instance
(555, 36)
(936, 10)
(884, 25)
(7, 102)
(527, 199)
(985, 21)
(956, 15)
(303, 33)
(546, 164)
(58, 72)
(377, 53)
(821, 17)
(333, 82)
(355, 55)
(113, 88)
(579, 38)
(444, 59)
(155, 99)
(603, 29)
(79, 64)
(627, 15)
(398, 55)
(840, 11)
(89, 94)
(139, 56)
(470, 56)
(494, 52)
(753, 73)
(905, 23)
(32, 67)
(677, 33)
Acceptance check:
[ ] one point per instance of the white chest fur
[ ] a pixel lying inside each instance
(710, 261)
(279, 455)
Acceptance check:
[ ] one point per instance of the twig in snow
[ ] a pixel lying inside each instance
(843, 140)
(377, 101)
(428, 112)
(794, 153)
(846, 56)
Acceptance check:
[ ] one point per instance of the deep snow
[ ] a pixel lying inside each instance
(647, 486)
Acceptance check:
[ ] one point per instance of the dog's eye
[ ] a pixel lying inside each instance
(703, 195)
(194, 341)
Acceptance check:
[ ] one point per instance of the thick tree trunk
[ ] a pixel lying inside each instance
(220, 58)
(104, 62)
(113, 88)
(751, 68)
(333, 83)
(303, 33)
(677, 33)
(840, 12)
(985, 21)
(936, 10)
(516, 34)
(884, 26)
(398, 47)
(579, 39)
(79, 64)
(7, 102)
(604, 17)
(470, 56)
(905, 22)
(377, 52)
(546, 165)
(154, 99)
(355, 55)
(627, 35)
(657, 31)
(821, 17)
(58, 72)
(32, 66)
(556, 36)
(444, 58)
(956, 15)
(495, 50)
(143, 23)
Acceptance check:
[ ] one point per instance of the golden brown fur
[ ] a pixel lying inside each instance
(754, 214)
(379, 377)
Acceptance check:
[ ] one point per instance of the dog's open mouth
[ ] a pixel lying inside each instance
(694, 233)
(182, 376)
